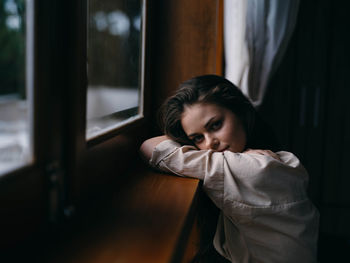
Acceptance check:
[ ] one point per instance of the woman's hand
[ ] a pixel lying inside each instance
(263, 152)
(148, 146)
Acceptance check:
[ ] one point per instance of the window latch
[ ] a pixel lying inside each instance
(55, 178)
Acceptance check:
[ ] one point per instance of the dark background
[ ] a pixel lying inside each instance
(307, 105)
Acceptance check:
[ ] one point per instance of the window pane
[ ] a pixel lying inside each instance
(15, 81)
(114, 64)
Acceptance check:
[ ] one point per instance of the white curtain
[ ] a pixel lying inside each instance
(256, 34)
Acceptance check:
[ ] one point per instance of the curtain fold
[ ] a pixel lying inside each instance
(256, 35)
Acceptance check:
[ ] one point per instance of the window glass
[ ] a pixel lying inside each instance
(15, 83)
(114, 46)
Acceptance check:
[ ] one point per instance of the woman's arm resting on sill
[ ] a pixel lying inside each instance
(148, 146)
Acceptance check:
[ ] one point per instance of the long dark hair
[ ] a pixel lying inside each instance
(220, 91)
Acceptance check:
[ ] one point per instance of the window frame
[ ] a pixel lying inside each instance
(59, 170)
(29, 91)
(139, 118)
(121, 141)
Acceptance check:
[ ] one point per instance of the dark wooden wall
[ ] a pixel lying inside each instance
(187, 41)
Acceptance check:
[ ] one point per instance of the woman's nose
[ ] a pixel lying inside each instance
(213, 143)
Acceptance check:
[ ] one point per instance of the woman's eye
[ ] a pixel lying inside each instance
(216, 125)
(197, 139)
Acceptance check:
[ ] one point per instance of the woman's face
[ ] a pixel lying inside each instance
(210, 126)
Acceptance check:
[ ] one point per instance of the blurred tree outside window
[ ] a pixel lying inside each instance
(14, 114)
(114, 53)
(12, 47)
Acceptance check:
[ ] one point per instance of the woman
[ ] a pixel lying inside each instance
(210, 130)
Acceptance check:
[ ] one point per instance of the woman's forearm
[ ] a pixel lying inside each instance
(148, 146)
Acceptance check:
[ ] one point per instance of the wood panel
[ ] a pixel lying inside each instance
(23, 207)
(145, 223)
(184, 44)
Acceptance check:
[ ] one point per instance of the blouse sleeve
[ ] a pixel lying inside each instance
(188, 161)
(236, 179)
(170, 156)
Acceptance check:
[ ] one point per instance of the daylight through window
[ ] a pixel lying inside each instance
(16, 28)
(115, 36)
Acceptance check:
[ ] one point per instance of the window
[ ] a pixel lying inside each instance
(16, 83)
(47, 166)
(115, 59)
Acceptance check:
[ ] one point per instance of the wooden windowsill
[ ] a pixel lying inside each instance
(152, 218)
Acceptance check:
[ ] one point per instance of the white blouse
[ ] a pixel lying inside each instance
(265, 216)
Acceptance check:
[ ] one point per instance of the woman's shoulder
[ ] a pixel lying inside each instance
(289, 158)
(259, 160)
(261, 180)
(260, 168)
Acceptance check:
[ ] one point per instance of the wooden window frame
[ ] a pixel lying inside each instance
(83, 167)
(61, 150)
